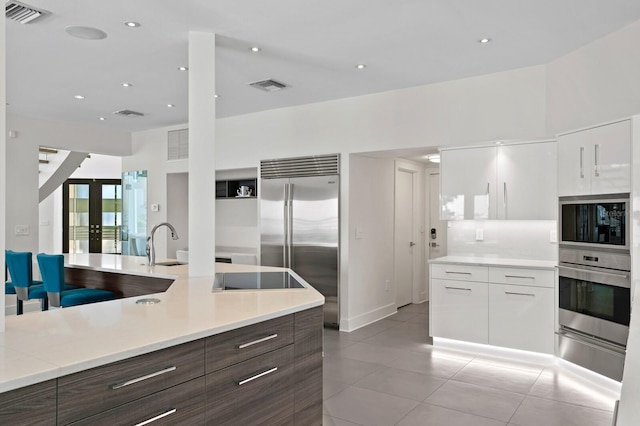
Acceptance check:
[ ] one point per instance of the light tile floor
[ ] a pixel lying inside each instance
(388, 373)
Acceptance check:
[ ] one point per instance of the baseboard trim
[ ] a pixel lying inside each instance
(352, 324)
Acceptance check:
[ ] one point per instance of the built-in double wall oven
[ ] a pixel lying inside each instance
(594, 282)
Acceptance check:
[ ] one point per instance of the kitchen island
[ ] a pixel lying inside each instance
(44, 348)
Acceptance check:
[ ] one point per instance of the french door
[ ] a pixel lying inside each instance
(92, 216)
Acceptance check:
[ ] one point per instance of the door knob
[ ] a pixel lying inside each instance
(435, 245)
(411, 244)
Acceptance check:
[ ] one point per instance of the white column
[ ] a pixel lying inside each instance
(202, 173)
(3, 157)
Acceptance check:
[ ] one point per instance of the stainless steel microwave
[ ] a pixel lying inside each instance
(595, 221)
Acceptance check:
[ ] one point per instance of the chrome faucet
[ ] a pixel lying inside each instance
(151, 248)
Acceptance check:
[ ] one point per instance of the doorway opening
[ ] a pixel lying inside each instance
(92, 216)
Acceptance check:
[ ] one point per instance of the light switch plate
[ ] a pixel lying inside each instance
(155, 207)
(479, 234)
(359, 233)
(22, 230)
(553, 236)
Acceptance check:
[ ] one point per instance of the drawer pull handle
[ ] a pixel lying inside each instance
(457, 288)
(459, 273)
(264, 339)
(519, 294)
(519, 276)
(145, 377)
(257, 376)
(158, 417)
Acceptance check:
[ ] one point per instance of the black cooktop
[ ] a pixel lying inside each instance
(255, 281)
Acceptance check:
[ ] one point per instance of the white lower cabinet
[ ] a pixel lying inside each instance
(459, 310)
(506, 306)
(521, 317)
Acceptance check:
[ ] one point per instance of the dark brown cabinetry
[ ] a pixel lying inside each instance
(238, 345)
(266, 373)
(31, 405)
(93, 391)
(180, 405)
(256, 391)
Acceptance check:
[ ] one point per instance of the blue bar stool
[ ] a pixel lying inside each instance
(8, 285)
(52, 271)
(21, 272)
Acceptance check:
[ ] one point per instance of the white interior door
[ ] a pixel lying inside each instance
(404, 237)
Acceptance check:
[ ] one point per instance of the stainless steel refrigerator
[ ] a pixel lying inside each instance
(299, 222)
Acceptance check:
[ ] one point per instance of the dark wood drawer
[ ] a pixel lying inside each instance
(257, 391)
(32, 405)
(180, 405)
(308, 367)
(90, 392)
(232, 347)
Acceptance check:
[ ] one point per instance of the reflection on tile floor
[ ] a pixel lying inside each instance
(388, 373)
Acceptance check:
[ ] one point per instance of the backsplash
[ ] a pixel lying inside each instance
(514, 239)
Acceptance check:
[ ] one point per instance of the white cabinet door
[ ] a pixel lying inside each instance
(527, 181)
(468, 183)
(459, 310)
(574, 159)
(595, 161)
(521, 317)
(611, 153)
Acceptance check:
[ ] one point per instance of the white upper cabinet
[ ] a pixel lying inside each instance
(595, 161)
(516, 181)
(527, 181)
(467, 183)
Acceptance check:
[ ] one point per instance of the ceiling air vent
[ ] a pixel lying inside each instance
(268, 85)
(129, 113)
(21, 12)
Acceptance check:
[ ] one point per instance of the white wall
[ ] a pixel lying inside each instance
(178, 212)
(506, 105)
(363, 296)
(597, 83)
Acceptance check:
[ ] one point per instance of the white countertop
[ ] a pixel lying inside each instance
(44, 345)
(495, 261)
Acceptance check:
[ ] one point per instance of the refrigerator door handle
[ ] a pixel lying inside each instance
(290, 226)
(285, 245)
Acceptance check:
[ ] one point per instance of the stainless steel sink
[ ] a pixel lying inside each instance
(255, 281)
(169, 263)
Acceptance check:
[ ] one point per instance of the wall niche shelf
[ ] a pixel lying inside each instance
(229, 188)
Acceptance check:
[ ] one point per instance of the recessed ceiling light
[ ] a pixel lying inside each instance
(170, 105)
(183, 69)
(434, 158)
(361, 66)
(132, 24)
(484, 40)
(86, 33)
(101, 118)
(255, 49)
(127, 84)
(79, 97)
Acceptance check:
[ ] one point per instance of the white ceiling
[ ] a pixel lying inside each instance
(311, 45)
